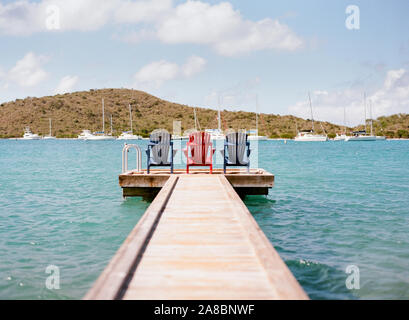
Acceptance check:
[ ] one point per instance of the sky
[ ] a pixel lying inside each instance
(226, 54)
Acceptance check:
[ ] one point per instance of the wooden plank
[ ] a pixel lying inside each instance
(257, 182)
(204, 245)
(280, 277)
(111, 282)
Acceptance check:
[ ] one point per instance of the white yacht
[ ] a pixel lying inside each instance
(256, 138)
(216, 134)
(310, 135)
(50, 136)
(361, 136)
(28, 135)
(377, 138)
(340, 137)
(85, 134)
(253, 134)
(128, 135)
(97, 136)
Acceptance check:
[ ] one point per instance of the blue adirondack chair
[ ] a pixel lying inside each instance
(234, 152)
(160, 142)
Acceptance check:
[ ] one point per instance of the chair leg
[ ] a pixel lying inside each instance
(171, 159)
(224, 167)
(187, 168)
(211, 169)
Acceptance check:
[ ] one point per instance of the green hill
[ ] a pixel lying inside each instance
(73, 112)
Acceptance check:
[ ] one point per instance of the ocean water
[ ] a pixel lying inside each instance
(334, 204)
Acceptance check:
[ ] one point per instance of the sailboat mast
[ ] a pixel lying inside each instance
(365, 109)
(345, 121)
(370, 114)
(111, 124)
(130, 116)
(103, 117)
(50, 126)
(312, 116)
(256, 114)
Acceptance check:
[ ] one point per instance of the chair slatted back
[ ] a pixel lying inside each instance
(201, 146)
(236, 148)
(232, 147)
(241, 147)
(160, 151)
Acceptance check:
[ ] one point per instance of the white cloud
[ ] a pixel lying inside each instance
(224, 29)
(220, 26)
(27, 17)
(141, 11)
(156, 73)
(28, 71)
(66, 84)
(136, 36)
(193, 65)
(392, 97)
(21, 17)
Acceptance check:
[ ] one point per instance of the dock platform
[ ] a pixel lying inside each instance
(197, 240)
(256, 182)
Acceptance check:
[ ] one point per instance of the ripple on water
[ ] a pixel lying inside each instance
(333, 205)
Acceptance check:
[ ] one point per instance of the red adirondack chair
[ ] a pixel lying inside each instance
(199, 150)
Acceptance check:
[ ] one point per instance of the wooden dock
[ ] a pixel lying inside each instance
(197, 240)
(256, 182)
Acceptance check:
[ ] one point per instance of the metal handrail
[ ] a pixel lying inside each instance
(125, 151)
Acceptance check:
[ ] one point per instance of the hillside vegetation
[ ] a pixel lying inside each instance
(73, 112)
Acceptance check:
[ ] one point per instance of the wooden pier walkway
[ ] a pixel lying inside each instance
(197, 240)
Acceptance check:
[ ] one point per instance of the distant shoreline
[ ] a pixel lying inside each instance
(272, 139)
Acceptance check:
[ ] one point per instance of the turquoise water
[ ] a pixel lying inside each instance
(334, 204)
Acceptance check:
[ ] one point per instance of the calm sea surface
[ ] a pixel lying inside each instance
(334, 204)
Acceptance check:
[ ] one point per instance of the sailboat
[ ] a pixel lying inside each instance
(343, 136)
(378, 138)
(253, 135)
(362, 135)
(97, 136)
(216, 134)
(310, 135)
(128, 135)
(50, 136)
